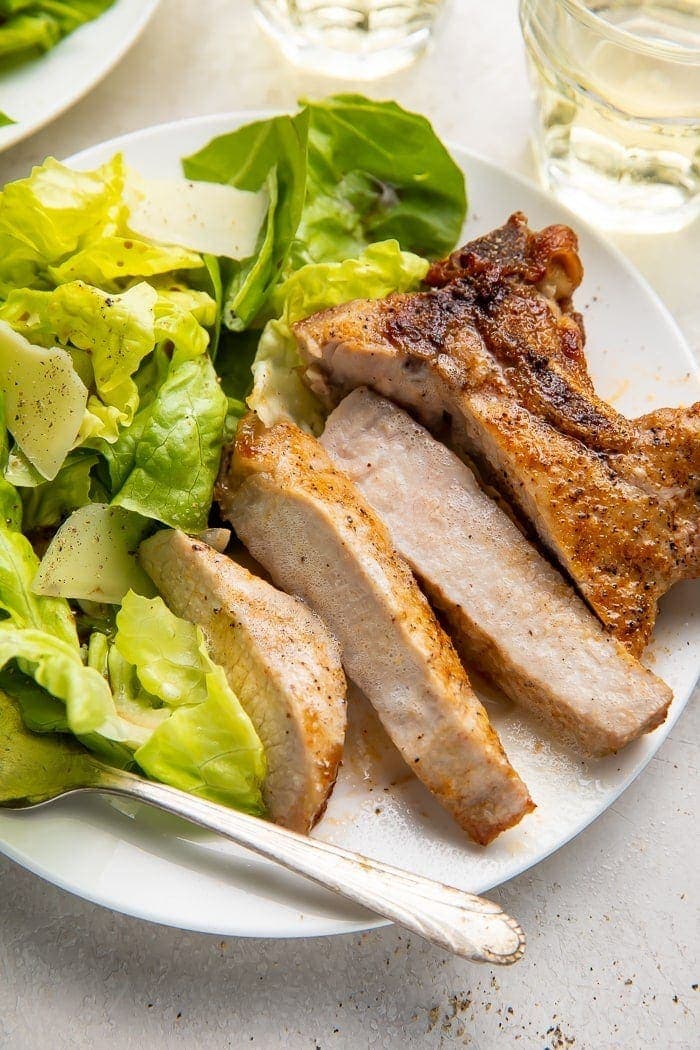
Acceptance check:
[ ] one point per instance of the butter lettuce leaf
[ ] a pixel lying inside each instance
(207, 745)
(209, 749)
(343, 173)
(10, 503)
(29, 28)
(18, 566)
(376, 171)
(53, 212)
(47, 503)
(112, 260)
(167, 461)
(56, 667)
(169, 653)
(116, 331)
(44, 396)
(39, 633)
(278, 389)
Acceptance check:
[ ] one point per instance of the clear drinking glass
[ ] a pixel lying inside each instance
(355, 39)
(617, 127)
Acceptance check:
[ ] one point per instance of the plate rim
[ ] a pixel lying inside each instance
(18, 132)
(336, 926)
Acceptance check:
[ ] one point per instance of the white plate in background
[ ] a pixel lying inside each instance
(138, 861)
(36, 92)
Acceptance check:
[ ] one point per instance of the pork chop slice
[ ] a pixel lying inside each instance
(309, 527)
(491, 361)
(510, 613)
(279, 660)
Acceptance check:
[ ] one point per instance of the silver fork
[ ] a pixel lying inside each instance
(36, 770)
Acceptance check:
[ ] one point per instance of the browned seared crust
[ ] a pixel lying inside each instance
(491, 360)
(307, 524)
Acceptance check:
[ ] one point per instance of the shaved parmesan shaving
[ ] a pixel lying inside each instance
(44, 399)
(202, 216)
(93, 556)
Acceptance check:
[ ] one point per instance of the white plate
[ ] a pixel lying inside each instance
(140, 862)
(36, 92)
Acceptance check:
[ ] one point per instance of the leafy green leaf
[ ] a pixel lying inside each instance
(30, 27)
(279, 391)
(271, 152)
(41, 712)
(56, 666)
(111, 261)
(361, 171)
(48, 503)
(117, 331)
(170, 653)
(207, 745)
(10, 504)
(376, 171)
(54, 212)
(18, 567)
(209, 749)
(168, 466)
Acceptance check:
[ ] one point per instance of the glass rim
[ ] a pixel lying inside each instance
(579, 10)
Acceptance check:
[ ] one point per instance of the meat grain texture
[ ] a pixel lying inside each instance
(309, 527)
(491, 361)
(279, 659)
(510, 613)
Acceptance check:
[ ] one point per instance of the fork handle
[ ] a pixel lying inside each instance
(459, 922)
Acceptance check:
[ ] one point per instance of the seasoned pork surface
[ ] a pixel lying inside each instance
(307, 524)
(279, 660)
(510, 613)
(491, 360)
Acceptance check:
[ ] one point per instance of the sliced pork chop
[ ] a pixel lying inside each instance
(309, 527)
(491, 361)
(279, 659)
(511, 615)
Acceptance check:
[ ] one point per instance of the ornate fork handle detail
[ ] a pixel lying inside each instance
(459, 922)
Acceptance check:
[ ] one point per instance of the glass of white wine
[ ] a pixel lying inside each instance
(617, 89)
(353, 39)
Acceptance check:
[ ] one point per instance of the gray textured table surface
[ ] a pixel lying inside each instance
(612, 918)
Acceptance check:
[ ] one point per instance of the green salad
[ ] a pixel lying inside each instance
(138, 318)
(29, 28)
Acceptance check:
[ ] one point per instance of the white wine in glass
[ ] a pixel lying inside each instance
(354, 39)
(617, 123)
